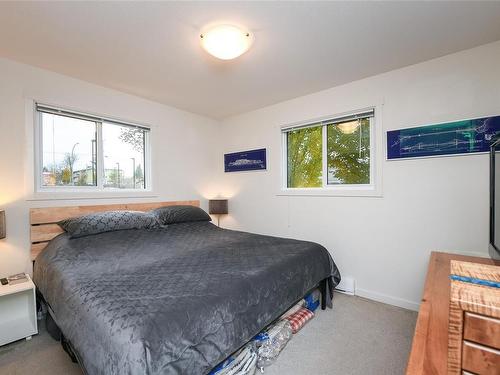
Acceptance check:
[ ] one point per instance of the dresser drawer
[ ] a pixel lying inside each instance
(482, 329)
(479, 359)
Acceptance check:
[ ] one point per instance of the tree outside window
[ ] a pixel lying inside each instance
(80, 152)
(347, 156)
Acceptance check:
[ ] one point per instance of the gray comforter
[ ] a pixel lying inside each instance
(176, 300)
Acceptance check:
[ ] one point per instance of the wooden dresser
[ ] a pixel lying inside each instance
(429, 353)
(474, 322)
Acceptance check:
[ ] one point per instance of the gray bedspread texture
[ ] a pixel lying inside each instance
(173, 300)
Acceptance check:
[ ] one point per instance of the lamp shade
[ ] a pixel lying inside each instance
(217, 206)
(2, 224)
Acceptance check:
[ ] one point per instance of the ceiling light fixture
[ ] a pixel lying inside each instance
(226, 42)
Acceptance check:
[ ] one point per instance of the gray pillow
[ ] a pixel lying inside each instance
(108, 221)
(180, 214)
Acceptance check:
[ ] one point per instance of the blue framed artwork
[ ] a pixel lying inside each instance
(245, 161)
(458, 137)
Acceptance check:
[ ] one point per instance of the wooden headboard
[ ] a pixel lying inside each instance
(43, 221)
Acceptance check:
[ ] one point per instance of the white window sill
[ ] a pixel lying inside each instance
(54, 194)
(340, 191)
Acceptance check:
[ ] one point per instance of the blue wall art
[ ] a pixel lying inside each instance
(245, 161)
(459, 137)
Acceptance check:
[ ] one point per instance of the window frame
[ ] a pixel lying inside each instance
(99, 188)
(371, 189)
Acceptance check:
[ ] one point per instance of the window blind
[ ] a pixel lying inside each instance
(330, 121)
(82, 116)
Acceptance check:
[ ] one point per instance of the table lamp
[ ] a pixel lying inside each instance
(217, 207)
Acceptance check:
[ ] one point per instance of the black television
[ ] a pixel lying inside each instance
(495, 199)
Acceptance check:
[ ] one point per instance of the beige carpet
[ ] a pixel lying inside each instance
(357, 337)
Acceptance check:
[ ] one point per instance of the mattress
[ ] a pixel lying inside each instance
(174, 300)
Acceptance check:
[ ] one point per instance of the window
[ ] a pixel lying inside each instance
(330, 153)
(304, 157)
(79, 151)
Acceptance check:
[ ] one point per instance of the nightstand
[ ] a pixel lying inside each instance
(17, 312)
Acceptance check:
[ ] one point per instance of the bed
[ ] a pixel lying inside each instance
(172, 300)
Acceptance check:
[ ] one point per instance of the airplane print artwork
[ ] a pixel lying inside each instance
(459, 137)
(245, 161)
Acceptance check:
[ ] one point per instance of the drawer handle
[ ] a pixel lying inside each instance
(481, 347)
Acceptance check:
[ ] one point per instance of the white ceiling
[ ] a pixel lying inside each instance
(151, 49)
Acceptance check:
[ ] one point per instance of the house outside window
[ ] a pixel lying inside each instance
(82, 152)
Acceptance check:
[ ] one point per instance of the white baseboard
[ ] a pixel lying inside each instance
(384, 298)
(406, 304)
(346, 286)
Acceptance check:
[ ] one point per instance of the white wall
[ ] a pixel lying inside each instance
(427, 204)
(183, 151)
(384, 243)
